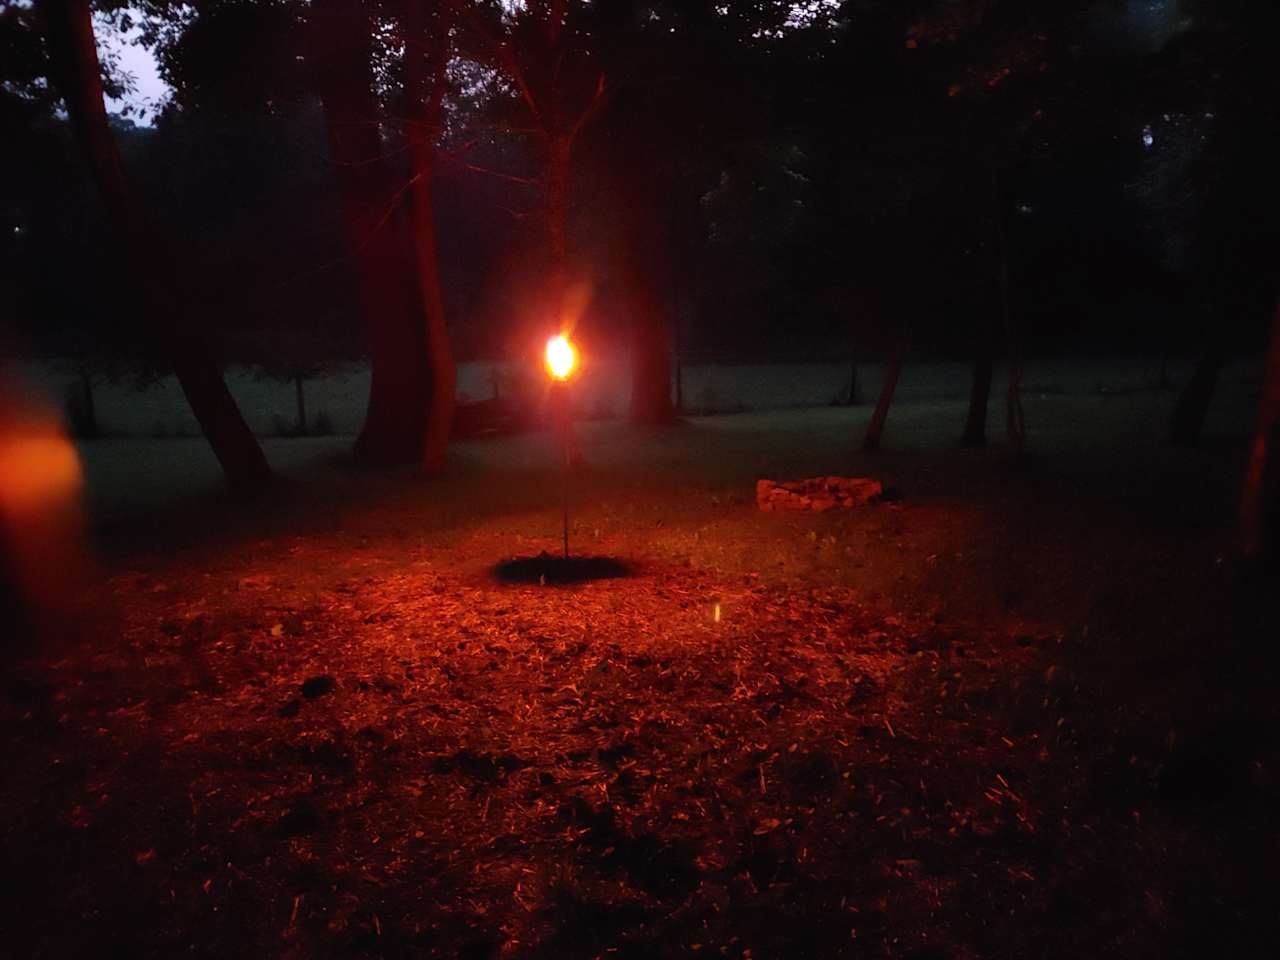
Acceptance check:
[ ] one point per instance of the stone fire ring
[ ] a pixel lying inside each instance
(817, 493)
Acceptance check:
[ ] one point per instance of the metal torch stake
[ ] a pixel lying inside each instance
(564, 477)
(562, 427)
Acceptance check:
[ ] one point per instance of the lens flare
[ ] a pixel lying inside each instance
(42, 551)
(561, 358)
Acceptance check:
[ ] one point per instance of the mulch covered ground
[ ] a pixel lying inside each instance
(308, 748)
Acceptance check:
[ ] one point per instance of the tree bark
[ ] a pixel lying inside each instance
(425, 57)
(679, 383)
(1014, 420)
(875, 428)
(562, 317)
(855, 388)
(1192, 407)
(302, 406)
(395, 423)
(91, 428)
(440, 363)
(73, 51)
(975, 427)
(647, 264)
(650, 365)
(559, 154)
(1260, 500)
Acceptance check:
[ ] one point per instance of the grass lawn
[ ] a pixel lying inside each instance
(1025, 710)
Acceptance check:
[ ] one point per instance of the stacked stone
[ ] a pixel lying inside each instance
(817, 493)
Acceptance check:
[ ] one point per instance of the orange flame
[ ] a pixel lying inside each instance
(561, 357)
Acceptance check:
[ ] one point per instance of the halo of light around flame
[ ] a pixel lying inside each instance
(561, 358)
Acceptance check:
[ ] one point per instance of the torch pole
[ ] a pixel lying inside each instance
(564, 477)
(561, 395)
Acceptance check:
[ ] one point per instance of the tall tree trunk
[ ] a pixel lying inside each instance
(559, 154)
(1260, 501)
(651, 337)
(1014, 421)
(1192, 406)
(74, 53)
(650, 364)
(91, 427)
(562, 313)
(975, 427)
(679, 382)
(556, 214)
(425, 79)
(443, 372)
(302, 405)
(855, 387)
(395, 423)
(875, 428)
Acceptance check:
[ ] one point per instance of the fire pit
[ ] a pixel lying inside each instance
(817, 493)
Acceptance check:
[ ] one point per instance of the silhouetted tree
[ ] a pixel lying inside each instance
(1260, 501)
(342, 60)
(557, 91)
(1221, 202)
(75, 67)
(427, 50)
(875, 426)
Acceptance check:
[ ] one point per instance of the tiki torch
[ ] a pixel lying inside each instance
(561, 360)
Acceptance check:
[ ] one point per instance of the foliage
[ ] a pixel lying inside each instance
(797, 163)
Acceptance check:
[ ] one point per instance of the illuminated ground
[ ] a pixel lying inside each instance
(1026, 711)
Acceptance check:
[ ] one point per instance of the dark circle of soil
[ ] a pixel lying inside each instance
(546, 568)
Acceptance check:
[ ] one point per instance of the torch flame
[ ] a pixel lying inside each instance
(561, 357)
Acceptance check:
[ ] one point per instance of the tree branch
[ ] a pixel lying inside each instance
(597, 103)
(502, 51)
(489, 171)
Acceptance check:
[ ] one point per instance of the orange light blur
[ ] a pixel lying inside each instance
(561, 358)
(37, 472)
(41, 523)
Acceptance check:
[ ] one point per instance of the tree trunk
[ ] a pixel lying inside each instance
(854, 387)
(91, 428)
(975, 427)
(875, 428)
(559, 153)
(1014, 421)
(302, 406)
(395, 423)
(679, 383)
(1260, 501)
(562, 316)
(73, 51)
(1187, 423)
(425, 79)
(556, 217)
(650, 366)
(443, 372)
(651, 338)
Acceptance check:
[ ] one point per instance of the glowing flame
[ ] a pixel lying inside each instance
(561, 357)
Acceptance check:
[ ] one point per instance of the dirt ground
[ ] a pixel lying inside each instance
(1027, 709)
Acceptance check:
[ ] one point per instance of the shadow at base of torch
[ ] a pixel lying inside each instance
(551, 569)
